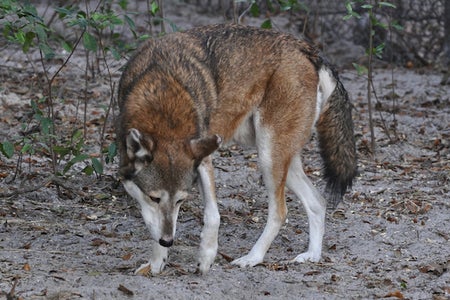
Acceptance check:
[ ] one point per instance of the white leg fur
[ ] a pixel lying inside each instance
(273, 225)
(211, 219)
(315, 208)
(158, 259)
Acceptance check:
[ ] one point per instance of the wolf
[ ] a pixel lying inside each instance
(185, 94)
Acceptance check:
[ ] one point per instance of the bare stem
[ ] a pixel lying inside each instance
(369, 86)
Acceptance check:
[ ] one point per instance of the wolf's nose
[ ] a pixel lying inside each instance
(166, 242)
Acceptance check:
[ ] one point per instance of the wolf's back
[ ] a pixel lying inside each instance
(336, 138)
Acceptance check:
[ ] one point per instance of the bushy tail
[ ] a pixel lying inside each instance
(336, 138)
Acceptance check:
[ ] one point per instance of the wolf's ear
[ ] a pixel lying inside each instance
(139, 147)
(204, 146)
(139, 152)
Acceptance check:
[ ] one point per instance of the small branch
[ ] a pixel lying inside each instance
(369, 80)
(161, 13)
(244, 13)
(28, 189)
(58, 181)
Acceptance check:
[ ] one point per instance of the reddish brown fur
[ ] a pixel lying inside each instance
(182, 95)
(227, 81)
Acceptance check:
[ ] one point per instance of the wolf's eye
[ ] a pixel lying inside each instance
(180, 201)
(155, 199)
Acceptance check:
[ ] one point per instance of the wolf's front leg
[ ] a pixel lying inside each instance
(157, 261)
(211, 219)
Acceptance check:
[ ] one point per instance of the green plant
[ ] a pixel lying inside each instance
(98, 32)
(7, 149)
(272, 6)
(370, 7)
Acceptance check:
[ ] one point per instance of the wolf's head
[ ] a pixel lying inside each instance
(159, 174)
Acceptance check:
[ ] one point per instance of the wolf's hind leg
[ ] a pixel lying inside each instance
(157, 261)
(271, 162)
(211, 220)
(315, 207)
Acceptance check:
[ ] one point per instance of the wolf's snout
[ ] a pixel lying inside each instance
(166, 242)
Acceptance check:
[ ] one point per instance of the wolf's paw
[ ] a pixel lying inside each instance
(149, 268)
(205, 262)
(247, 261)
(203, 267)
(305, 257)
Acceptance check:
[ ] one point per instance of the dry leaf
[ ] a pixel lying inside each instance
(127, 256)
(125, 290)
(97, 242)
(396, 294)
(276, 267)
(313, 272)
(26, 267)
(436, 269)
(412, 207)
(144, 270)
(91, 217)
(226, 257)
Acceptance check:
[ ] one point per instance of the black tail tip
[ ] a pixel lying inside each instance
(336, 190)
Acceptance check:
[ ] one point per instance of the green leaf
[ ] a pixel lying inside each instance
(88, 170)
(123, 4)
(144, 37)
(367, 6)
(285, 5)
(347, 17)
(130, 22)
(7, 149)
(77, 135)
(378, 50)
(98, 167)
(396, 26)
(115, 53)
(66, 46)
(382, 25)
(76, 159)
(387, 4)
(77, 149)
(25, 148)
(267, 24)
(112, 152)
(154, 8)
(79, 158)
(63, 12)
(46, 125)
(41, 32)
(61, 150)
(254, 10)
(360, 69)
(29, 37)
(35, 107)
(89, 42)
(350, 12)
(348, 6)
(20, 37)
(115, 20)
(46, 50)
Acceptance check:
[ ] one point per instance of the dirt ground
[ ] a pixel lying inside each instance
(388, 239)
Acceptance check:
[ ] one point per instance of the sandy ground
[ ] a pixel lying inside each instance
(388, 239)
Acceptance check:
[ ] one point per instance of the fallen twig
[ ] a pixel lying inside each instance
(51, 179)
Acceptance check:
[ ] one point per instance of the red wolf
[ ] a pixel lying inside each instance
(183, 95)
